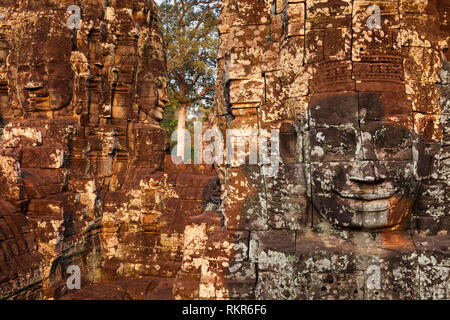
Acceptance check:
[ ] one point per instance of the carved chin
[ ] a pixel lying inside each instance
(40, 104)
(372, 213)
(396, 214)
(158, 114)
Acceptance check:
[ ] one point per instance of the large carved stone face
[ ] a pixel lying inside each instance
(44, 73)
(3, 52)
(152, 90)
(361, 153)
(3, 83)
(153, 97)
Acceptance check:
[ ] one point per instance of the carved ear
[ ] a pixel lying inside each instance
(288, 143)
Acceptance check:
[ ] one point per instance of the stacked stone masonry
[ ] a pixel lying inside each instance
(359, 206)
(358, 209)
(86, 179)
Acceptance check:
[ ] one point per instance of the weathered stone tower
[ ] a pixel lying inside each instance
(359, 206)
(86, 180)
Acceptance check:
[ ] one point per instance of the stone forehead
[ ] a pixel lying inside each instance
(45, 23)
(50, 24)
(120, 16)
(61, 4)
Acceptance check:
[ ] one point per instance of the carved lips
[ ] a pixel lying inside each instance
(374, 209)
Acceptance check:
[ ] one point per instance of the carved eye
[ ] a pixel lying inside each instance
(288, 142)
(336, 141)
(57, 67)
(146, 77)
(392, 139)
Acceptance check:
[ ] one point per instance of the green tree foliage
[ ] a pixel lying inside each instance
(170, 120)
(190, 31)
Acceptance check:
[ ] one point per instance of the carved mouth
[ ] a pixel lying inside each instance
(161, 104)
(372, 206)
(38, 100)
(160, 109)
(364, 196)
(38, 96)
(371, 202)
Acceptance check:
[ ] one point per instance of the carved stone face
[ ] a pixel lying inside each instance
(361, 153)
(3, 52)
(44, 73)
(152, 92)
(153, 96)
(3, 83)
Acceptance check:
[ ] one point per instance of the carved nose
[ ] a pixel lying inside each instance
(368, 148)
(163, 96)
(368, 172)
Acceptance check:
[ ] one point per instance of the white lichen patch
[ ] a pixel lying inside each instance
(13, 135)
